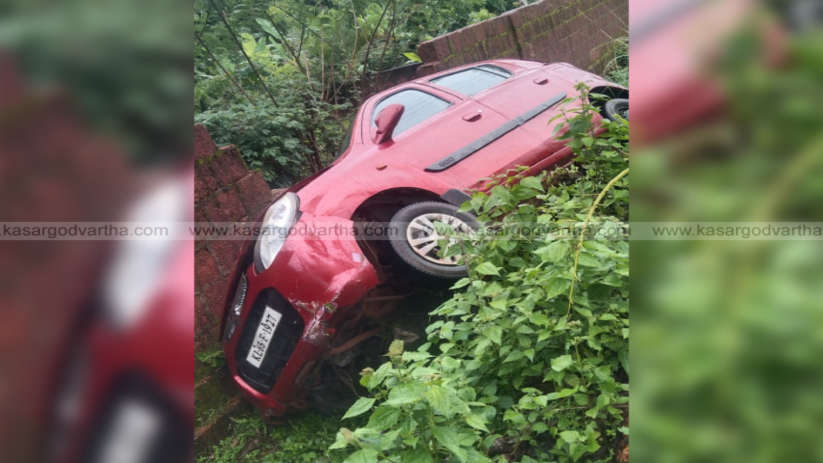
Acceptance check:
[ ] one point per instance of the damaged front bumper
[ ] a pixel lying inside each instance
(289, 311)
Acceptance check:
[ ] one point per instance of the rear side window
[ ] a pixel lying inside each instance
(473, 80)
(418, 106)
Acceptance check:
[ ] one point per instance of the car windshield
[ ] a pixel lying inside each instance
(473, 80)
(417, 107)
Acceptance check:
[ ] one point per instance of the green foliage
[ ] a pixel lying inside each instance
(213, 359)
(125, 67)
(304, 439)
(283, 79)
(279, 140)
(528, 360)
(726, 343)
(617, 68)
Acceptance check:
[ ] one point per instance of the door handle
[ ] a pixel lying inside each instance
(473, 116)
(541, 80)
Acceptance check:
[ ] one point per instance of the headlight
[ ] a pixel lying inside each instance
(138, 266)
(274, 230)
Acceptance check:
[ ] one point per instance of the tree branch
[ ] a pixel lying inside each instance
(371, 41)
(216, 61)
(222, 15)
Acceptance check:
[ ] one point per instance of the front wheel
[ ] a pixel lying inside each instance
(617, 107)
(416, 231)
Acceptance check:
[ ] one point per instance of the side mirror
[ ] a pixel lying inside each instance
(386, 121)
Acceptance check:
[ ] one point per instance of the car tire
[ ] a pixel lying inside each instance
(617, 107)
(409, 224)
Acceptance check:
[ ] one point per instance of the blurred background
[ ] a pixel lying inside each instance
(95, 127)
(727, 336)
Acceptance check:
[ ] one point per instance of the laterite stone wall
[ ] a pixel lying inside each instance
(224, 191)
(573, 31)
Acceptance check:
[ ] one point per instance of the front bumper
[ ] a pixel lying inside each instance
(320, 271)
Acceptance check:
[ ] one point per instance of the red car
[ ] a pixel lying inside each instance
(413, 153)
(124, 390)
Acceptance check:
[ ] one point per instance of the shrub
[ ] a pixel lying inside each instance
(527, 361)
(287, 141)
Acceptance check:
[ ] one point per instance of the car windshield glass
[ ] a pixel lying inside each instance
(473, 80)
(417, 107)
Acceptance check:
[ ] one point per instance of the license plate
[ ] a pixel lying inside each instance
(262, 337)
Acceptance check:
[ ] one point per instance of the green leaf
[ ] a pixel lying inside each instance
(267, 26)
(395, 348)
(449, 438)
(405, 394)
(477, 422)
(344, 437)
(556, 286)
(562, 362)
(445, 400)
(412, 56)
(495, 333)
(570, 436)
(360, 407)
(487, 268)
(532, 182)
(418, 455)
(587, 260)
(499, 304)
(415, 356)
(461, 283)
(383, 418)
(362, 456)
(561, 394)
(554, 252)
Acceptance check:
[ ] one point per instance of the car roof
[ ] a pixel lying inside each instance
(516, 67)
(511, 65)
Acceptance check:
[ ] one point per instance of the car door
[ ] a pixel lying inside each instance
(435, 128)
(434, 124)
(526, 101)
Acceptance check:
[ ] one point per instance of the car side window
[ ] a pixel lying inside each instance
(418, 106)
(473, 80)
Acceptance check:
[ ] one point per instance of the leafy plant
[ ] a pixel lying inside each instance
(304, 439)
(281, 79)
(527, 361)
(211, 358)
(617, 68)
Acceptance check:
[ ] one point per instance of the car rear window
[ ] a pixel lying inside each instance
(473, 80)
(418, 106)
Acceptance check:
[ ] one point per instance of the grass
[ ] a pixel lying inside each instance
(303, 439)
(617, 68)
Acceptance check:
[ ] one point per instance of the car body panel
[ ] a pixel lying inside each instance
(323, 278)
(366, 168)
(150, 359)
(317, 274)
(673, 46)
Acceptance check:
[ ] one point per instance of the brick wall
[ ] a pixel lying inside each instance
(224, 191)
(573, 31)
(52, 168)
